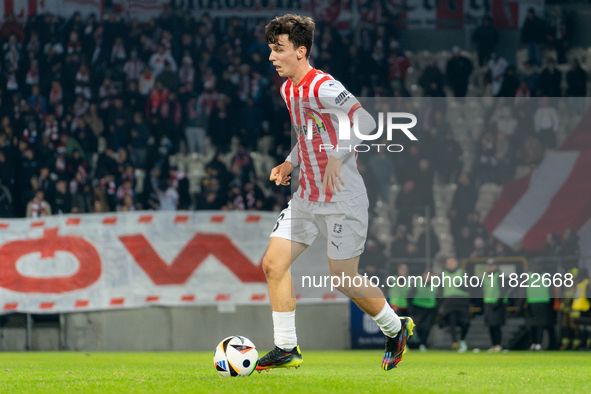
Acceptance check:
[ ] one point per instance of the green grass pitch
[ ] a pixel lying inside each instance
(321, 372)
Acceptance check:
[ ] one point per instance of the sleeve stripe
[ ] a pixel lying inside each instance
(319, 83)
(353, 109)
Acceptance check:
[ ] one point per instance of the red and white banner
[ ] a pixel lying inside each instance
(408, 14)
(24, 8)
(447, 14)
(552, 198)
(127, 260)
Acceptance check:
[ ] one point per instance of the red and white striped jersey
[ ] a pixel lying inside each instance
(317, 91)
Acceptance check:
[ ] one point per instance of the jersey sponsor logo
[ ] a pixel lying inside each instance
(337, 228)
(314, 118)
(342, 97)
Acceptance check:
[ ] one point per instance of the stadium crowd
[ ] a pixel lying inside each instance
(85, 102)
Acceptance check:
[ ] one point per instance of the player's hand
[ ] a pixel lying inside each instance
(280, 174)
(332, 173)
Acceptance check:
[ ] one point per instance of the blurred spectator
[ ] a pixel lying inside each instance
(424, 187)
(533, 34)
(431, 74)
(195, 132)
(532, 77)
(486, 38)
(546, 123)
(463, 201)
(253, 196)
(169, 198)
(398, 248)
(138, 144)
(539, 314)
(551, 80)
(146, 81)
(398, 295)
(449, 159)
(423, 308)
(82, 200)
(6, 207)
(504, 155)
(62, 199)
(127, 204)
(382, 167)
(125, 190)
(38, 206)
(133, 67)
(160, 59)
(510, 83)
(552, 246)
(570, 243)
(532, 151)
(487, 161)
(435, 90)
(559, 32)
(576, 80)
(398, 63)
(494, 308)
(522, 94)
(455, 307)
(406, 203)
(458, 72)
(479, 248)
(496, 68)
(36, 101)
(169, 77)
(12, 27)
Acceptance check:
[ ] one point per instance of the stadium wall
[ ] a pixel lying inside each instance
(323, 327)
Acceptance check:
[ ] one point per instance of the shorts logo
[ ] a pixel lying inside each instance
(335, 245)
(337, 228)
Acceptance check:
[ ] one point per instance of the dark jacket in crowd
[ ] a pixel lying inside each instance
(576, 80)
(458, 72)
(550, 83)
(533, 30)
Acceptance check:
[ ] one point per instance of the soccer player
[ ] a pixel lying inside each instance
(331, 198)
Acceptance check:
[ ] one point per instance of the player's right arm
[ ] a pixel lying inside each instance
(280, 174)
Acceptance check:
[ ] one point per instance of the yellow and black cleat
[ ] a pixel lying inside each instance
(279, 358)
(396, 347)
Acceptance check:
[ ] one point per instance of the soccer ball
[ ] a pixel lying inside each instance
(235, 356)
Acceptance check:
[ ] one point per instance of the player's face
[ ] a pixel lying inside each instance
(284, 56)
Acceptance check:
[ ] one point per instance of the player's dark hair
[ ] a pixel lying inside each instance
(300, 31)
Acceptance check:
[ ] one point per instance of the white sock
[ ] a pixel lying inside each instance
(284, 330)
(388, 321)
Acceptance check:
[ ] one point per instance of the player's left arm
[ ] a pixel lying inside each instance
(333, 95)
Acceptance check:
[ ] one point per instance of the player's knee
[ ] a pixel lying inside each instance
(273, 268)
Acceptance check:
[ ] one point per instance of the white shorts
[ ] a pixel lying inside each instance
(343, 224)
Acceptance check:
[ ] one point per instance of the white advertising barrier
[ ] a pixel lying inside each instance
(127, 260)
